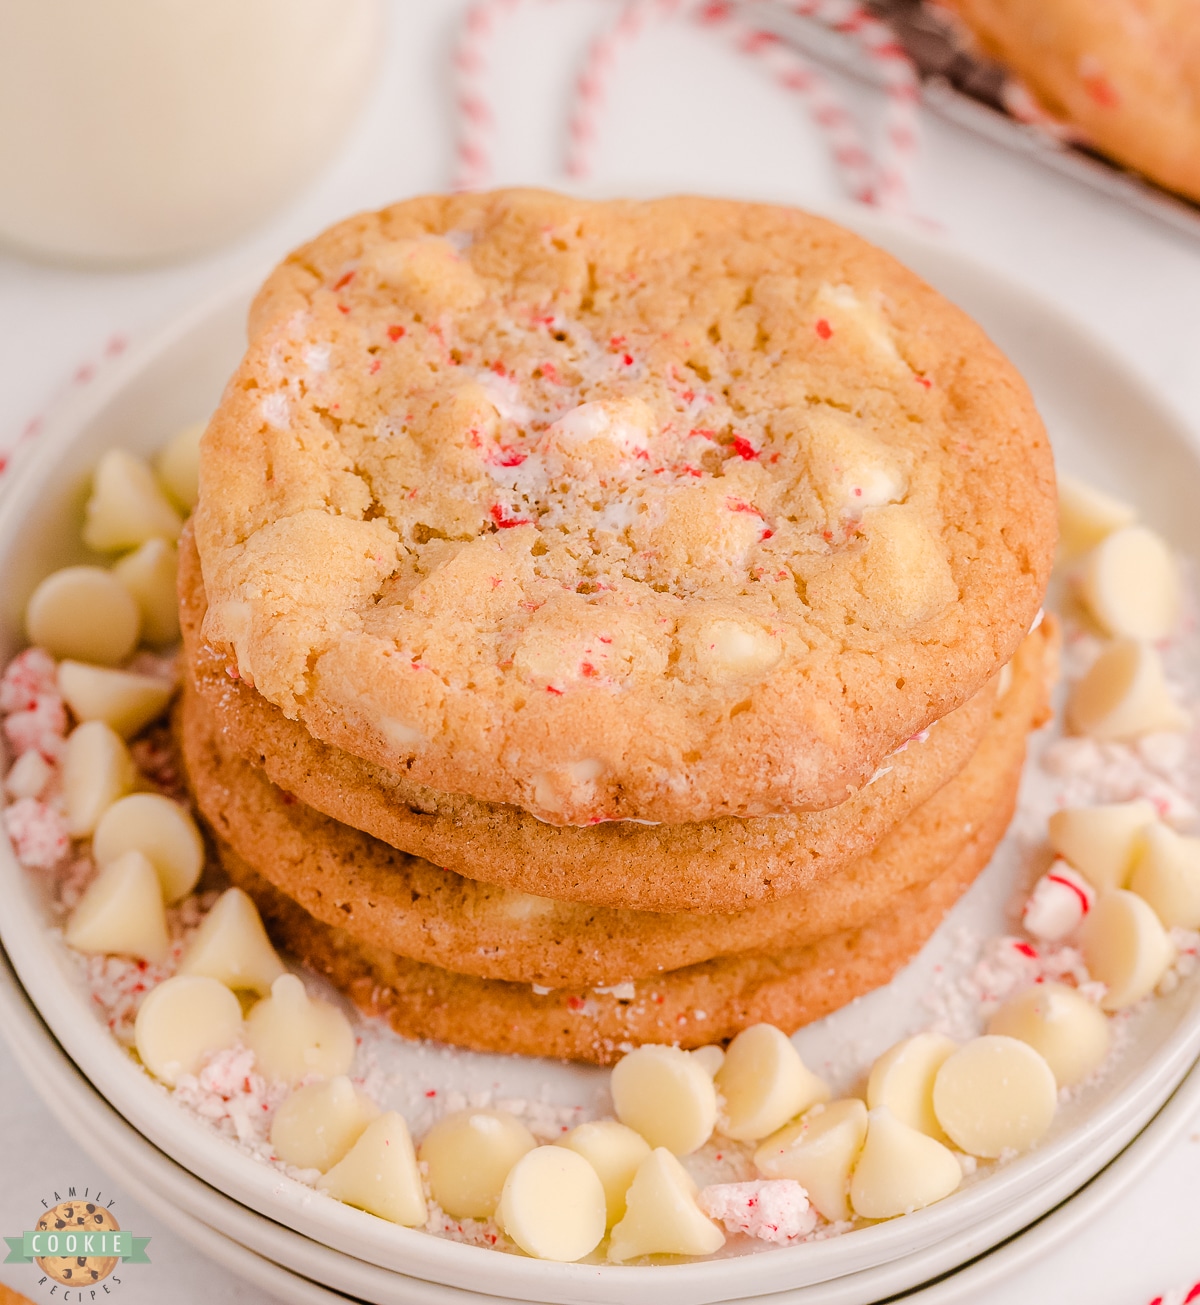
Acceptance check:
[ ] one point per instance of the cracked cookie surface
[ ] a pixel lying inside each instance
(650, 511)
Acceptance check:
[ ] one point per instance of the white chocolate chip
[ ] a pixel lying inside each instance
(400, 735)
(726, 650)
(163, 830)
(28, 776)
(764, 1083)
(148, 573)
(1086, 515)
(1124, 695)
(902, 1079)
(85, 613)
(599, 434)
(526, 906)
(665, 1095)
(995, 1094)
(1125, 948)
(711, 1057)
(819, 1151)
(468, 1155)
(552, 1205)
(122, 699)
(182, 1022)
(1058, 903)
(121, 912)
(379, 1174)
(1101, 842)
(1065, 1028)
(1130, 583)
(900, 1169)
(127, 506)
(1167, 876)
(614, 1151)
(661, 1216)
(177, 464)
(555, 790)
(232, 946)
(97, 771)
(294, 1035)
(318, 1124)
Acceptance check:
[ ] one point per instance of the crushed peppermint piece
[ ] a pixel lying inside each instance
(773, 1210)
(38, 832)
(1058, 903)
(40, 727)
(29, 674)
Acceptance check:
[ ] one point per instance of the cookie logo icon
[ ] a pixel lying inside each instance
(77, 1217)
(78, 1242)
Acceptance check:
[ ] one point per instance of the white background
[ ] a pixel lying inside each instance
(684, 112)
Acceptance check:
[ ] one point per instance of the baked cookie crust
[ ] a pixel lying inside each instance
(655, 511)
(716, 866)
(405, 905)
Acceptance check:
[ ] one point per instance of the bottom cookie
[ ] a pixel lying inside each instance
(700, 1004)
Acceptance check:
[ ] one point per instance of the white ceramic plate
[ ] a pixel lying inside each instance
(292, 1266)
(1104, 425)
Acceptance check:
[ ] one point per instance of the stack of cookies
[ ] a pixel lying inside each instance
(609, 623)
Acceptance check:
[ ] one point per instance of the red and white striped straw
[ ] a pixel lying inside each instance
(884, 182)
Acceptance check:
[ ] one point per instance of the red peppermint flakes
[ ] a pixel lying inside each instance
(824, 330)
(395, 333)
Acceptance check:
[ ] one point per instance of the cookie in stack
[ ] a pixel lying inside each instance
(607, 622)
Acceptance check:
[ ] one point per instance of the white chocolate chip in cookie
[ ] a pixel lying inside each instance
(819, 1151)
(661, 1216)
(122, 699)
(904, 572)
(163, 830)
(468, 1155)
(1069, 1031)
(556, 791)
(1130, 583)
(552, 1205)
(601, 434)
(182, 1022)
(1125, 948)
(232, 946)
(400, 735)
(177, 464)
(614, 1151)
(995, 1094)
(1166, 874)
(900, 1169)
(127, 506)
(1101, 842)
(121, 912)
(1124, 695)
(665, 1095)
(763, 1083)
(84, 613)
(294, 1035)
(97, 771)
(149, 575)
(318, 1124)
(734, 650)
(1086, 515)
(902, 1079)
(379, 1174)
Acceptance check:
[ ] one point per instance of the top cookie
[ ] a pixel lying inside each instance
(660, 511)
(1126, 71)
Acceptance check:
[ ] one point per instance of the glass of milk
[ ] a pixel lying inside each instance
(133, 131)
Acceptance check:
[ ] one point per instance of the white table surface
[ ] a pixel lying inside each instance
(685, 112)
